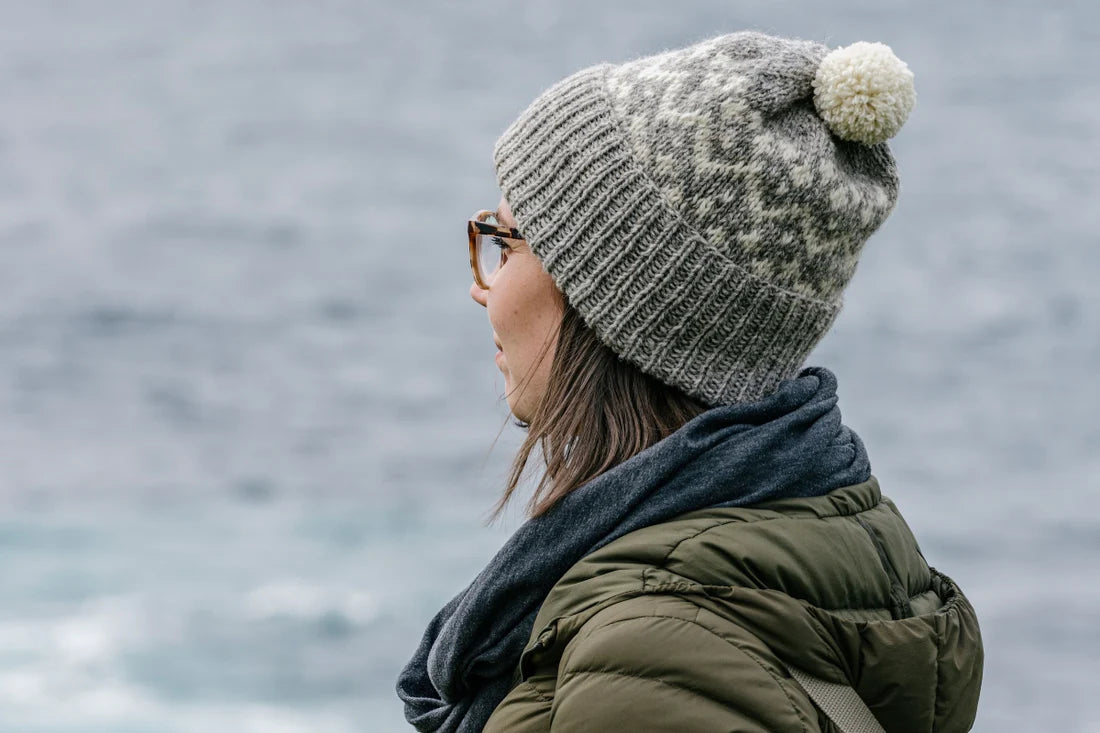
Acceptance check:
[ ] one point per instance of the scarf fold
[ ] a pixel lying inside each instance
(789, 444)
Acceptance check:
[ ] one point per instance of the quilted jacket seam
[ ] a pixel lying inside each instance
(776, 679)
(724, 522)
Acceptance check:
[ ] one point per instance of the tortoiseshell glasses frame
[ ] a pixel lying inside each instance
(478, 226)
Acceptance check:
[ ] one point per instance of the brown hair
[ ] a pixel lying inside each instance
(598, 411)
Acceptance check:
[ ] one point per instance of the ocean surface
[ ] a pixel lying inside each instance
(248, 410)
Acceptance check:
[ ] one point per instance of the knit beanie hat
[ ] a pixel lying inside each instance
(703, 209)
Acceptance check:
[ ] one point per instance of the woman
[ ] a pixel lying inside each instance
(673, 239)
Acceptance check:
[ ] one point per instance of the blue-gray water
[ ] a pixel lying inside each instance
(246, 403)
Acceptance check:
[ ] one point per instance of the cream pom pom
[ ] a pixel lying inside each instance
(864, 92)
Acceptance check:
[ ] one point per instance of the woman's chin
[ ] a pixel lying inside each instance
(518, 410)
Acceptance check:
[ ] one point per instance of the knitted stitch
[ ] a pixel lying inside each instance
(697, 210)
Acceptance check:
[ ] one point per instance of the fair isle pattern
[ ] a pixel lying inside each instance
(695, 209)
(729, 133)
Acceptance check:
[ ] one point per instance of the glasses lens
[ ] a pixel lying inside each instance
(488, 254)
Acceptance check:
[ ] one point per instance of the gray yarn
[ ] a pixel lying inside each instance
(696, 210)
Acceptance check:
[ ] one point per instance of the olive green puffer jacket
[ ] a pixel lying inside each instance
(690, 625)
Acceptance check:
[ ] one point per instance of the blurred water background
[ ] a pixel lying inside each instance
(247, 404)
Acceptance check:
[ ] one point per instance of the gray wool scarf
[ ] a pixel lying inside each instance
(789, 444)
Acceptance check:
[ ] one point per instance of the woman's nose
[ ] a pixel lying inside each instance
(478, 294)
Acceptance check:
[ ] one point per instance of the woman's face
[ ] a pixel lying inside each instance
(525, 309)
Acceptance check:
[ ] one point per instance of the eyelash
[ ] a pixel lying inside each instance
(499, 242)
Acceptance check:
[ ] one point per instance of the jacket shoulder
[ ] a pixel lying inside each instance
(823, 550)
(847, 551)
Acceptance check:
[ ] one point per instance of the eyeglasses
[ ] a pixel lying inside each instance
(488, 250)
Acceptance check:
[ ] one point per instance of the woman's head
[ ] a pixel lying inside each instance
(704, 208)
(689, 223)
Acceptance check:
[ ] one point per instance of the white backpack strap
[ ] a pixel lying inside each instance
(841, 703)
